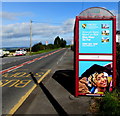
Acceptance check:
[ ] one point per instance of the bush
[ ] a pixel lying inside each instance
(118, 65)
(50, 46)
(37, 47)
(118, 48)
(110, 104)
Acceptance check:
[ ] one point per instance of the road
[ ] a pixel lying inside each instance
(16, 81)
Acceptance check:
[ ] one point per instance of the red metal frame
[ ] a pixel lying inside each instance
(93, 54)
(114, 52)
(76, 39)
(76, 55)
(92, 60)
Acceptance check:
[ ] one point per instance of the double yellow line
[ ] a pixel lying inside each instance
(23, 98)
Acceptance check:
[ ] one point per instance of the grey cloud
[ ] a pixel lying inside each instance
(68, 25)
(118, 22)
(15, 30)
(116, 13)
(44, 30)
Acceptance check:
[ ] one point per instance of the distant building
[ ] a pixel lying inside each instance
(46, 43)
(118, 32)
(118, 37)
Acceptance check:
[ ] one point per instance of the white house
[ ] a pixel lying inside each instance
(118, 38)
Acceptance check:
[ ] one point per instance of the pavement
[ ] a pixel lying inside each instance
(55, 94)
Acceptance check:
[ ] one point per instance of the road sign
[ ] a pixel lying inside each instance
(95, 52)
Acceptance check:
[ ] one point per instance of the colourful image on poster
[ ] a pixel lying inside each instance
(96, 36)
(95, 77)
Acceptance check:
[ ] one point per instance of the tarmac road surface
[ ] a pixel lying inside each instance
(17, 83)
(55, 94)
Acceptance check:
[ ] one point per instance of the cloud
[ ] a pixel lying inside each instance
(45, 30)
(13, 16)
(117, 21)
(68, 25)
(19, 31)
(115, 13)
(15, 30)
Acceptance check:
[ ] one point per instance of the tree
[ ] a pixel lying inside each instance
(38, 47)
(57, 42)
(62, 43)
(65, 43)
(50, 46)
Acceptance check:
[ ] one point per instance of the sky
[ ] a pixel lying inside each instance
(49, 20)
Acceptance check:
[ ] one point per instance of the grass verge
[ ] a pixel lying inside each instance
(43, 51)
(109, 105)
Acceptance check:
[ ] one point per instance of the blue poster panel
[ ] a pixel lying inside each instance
(95, 36)
(95, 77)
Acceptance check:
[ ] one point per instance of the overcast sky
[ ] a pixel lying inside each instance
(50, 19)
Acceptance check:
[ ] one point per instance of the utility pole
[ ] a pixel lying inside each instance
(30, 36)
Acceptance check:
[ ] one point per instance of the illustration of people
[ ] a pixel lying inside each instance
(105, 32)
(99, 82)
(105, 39)
(95, 80)
(105, 26)
(84, 26)
(83, 83)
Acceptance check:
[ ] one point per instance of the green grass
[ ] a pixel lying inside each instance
(110, 104)
(43, 51)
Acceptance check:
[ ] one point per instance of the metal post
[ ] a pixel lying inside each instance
(30, 36)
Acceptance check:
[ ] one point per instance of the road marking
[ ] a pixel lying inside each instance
(22, 74)
(15, 83)
(28, 62)
(23, 98)
(44, 76)
(61, 58)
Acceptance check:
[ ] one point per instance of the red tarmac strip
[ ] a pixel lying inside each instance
(28, 62)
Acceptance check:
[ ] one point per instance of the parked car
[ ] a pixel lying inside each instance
(6, 53)
(1, 53)
(20, 52)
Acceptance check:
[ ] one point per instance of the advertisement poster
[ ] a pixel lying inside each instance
(95, 77)
(95, 36)
(95, 56)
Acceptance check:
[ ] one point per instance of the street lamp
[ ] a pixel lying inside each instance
(30, 36)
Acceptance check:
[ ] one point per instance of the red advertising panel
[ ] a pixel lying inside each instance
(95, 55)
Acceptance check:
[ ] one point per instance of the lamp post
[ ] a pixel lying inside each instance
(30, 36)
